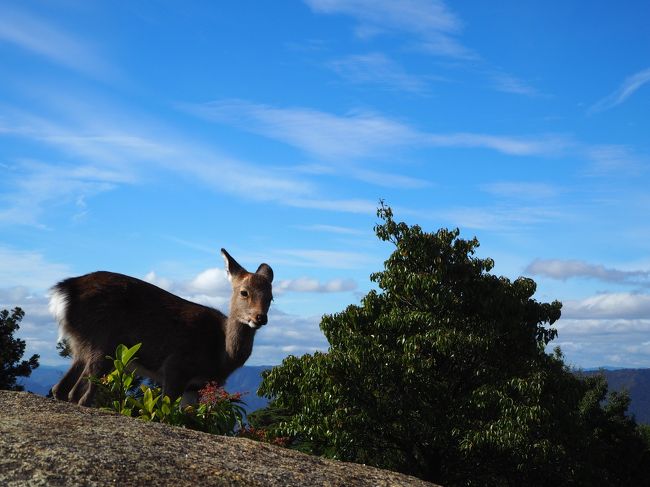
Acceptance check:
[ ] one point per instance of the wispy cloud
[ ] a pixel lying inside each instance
(389, 180)
(28, 269)
(512, 145)
(360, 134)
(36, 185)
(44, 39)
(311, 285)
(377, 68)
(568, 269)
(509, 84)
(356, 134)
(121, 153)
(498, 218)
(613, 160)
(629, 86)
(522, 190)
(360, 206)
(431, 24)
(332, 259)
(332, 229)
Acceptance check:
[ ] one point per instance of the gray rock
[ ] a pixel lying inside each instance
(50, 443)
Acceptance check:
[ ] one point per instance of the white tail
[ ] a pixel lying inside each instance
(184, 344)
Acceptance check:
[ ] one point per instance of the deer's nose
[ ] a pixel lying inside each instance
(261, 319)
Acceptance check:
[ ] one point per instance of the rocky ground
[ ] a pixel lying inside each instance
(51, 443)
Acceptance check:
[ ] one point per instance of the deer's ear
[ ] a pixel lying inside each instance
(265, 271)
(233, 269)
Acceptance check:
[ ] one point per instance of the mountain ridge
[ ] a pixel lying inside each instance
(248, 378)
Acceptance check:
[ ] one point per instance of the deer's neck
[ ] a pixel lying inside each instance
(239, 342)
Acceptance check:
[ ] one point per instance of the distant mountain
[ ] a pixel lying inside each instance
(603, 367)
(43, 378)
(245, 380)
(636, 382)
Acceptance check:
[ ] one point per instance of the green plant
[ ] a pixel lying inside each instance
(217, 412)
(116, 387)
(152, 405)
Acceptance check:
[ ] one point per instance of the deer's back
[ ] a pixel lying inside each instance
(104, 309)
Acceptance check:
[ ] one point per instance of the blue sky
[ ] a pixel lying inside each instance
(143, 137)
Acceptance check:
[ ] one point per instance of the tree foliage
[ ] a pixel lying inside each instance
(12, 350)
(442, 373)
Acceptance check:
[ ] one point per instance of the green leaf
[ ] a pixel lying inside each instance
(128, 353)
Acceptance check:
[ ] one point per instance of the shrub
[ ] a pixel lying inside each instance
(218, 412)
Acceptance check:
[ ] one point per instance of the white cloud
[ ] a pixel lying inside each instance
(430, 23)
(310, 285)
(38, 328)
(620, 327)
(286, 333)
(597, 342)
(567, 269)
(46, 40)
(161, 282)
(377, 68)
(209, 287)
(627, 306)
(211, 281)
(629, 86)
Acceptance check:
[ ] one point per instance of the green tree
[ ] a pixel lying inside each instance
(442, 374)
(12, 350)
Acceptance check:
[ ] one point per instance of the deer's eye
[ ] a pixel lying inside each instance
(244, 293)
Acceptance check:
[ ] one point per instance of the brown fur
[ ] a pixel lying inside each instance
(184, 344)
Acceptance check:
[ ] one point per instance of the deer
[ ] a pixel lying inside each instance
(184, 344)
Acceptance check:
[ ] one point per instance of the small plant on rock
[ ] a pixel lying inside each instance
(218, 412)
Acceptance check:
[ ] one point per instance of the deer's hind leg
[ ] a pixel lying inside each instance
(62, 389)
(83, 392)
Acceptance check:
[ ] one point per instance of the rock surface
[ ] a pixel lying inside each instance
(50, 443)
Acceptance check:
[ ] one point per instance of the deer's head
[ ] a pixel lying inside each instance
(251, 292)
